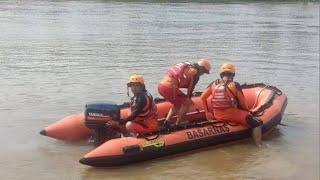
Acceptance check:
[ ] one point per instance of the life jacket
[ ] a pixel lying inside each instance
(148, 111)
(179, 73)
(222, 96)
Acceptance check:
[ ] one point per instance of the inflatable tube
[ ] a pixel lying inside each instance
(70, 128)
(266, 102)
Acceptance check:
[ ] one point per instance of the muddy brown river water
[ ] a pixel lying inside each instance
(57, 55)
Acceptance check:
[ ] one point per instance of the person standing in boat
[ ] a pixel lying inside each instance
(182, 75)
(143, 117)
(228, 102)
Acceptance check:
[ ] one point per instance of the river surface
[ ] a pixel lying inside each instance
(57, 55)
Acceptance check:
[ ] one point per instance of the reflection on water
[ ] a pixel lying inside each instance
(57, 55)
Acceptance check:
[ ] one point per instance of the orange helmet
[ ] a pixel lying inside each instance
(227, 67)
(206, 64)
(135, 79)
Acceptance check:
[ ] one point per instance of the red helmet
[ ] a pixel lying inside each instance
(205, 64)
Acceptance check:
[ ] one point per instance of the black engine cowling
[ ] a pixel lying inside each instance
(97, 114)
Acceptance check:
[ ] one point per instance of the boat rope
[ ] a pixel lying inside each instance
(256, 101)
(150, 137)
(274, 92)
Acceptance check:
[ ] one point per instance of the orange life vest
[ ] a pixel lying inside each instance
(149, 110)
(179, 73)
(222, 97)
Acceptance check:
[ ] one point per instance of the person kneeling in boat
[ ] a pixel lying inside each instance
(143, 117)
(182, 75)
(228, 102)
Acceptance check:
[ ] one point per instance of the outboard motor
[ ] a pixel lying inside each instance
(97, 114)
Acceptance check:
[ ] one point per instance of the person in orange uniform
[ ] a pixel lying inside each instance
(182, 75)
(143, 117)
(228, 102)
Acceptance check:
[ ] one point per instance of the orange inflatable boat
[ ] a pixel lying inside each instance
(266, 102)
